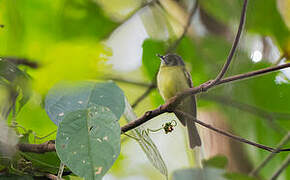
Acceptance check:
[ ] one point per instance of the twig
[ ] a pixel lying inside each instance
(174, 101)
(48, 146)
(269, 116)
(237, 138)
(284, 165)
(144, 95)
(60, 170)
(234, 47)
(253, 73)
(284, 140)
(280, 59)
(52, 177)
(121, 80)
(21, 61)
(175, 44)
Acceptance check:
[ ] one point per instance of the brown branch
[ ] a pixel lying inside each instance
(52, 177)
(234, 47)
(121, 80)
(21, 61)
(284, 140)
(144, 95)
(174, 101)
(284, 165)
(237, 138)
(253, 73)
(48, 146)
(269, 116)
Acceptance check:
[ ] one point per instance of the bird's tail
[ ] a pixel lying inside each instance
(194, 139)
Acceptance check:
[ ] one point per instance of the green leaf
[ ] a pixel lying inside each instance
(67, 97)
(88, 141)
(48, 162)
(199, 174)
(146, 143)
(216, 161)
(149, 59)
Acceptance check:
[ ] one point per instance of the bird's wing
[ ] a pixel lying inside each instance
(188, 77)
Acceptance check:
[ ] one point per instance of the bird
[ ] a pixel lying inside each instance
(173, 78)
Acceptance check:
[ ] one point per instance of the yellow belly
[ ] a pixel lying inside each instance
(171, 80)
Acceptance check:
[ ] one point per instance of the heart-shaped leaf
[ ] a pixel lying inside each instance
(67, 97)
(88, 141)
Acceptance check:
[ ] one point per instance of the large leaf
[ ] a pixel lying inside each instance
(146, 143)
(68, 97)
(88, 141)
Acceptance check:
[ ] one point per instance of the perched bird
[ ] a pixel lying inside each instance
(173, 78)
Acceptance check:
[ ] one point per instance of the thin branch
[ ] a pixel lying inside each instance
(52, 177)
(171, 103)
(121, 80)
(284, 165)
(235, 44)
(191, 14)
(144, 95)
(253, 73)
(237, 138)
(21, 61)
(280, 59)
(269, 116)
(284, 140)
(48, 146)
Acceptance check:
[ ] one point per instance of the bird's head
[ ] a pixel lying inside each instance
(171, 60)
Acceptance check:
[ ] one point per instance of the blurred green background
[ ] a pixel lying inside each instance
(98, 39)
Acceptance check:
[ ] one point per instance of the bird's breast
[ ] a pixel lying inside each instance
(170, 81)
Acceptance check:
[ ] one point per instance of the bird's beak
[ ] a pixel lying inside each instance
(162, 58)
